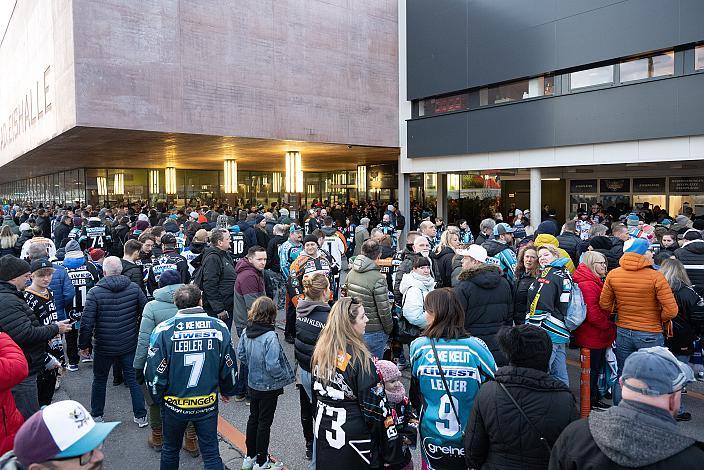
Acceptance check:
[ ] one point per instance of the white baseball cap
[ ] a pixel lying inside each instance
(476, 252)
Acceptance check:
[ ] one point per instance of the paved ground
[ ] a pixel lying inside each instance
(127, 446)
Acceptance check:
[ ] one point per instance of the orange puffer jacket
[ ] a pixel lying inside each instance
(641, 295)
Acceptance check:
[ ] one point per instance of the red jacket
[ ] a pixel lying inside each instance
(597, 331)
(13, 370)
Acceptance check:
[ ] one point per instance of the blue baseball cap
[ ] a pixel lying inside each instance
(295, 228)
(61, 430)
(658, 369)
(502, 228)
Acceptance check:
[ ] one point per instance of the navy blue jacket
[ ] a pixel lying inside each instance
(112, 314)
(63, 290)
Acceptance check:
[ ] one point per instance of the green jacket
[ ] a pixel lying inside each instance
(156, 311)
(366, 283)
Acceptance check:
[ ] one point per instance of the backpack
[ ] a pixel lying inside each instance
(576, 310)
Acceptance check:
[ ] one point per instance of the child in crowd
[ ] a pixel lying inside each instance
(41, 300)
(269, 373)
(97, 256)
(406, 421)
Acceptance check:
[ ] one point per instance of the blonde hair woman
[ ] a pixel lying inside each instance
(443, 255)
(597, 332)
(351, 401)
(7, 241)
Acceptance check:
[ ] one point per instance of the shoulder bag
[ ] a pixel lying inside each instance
(447, 389)
(544, 441)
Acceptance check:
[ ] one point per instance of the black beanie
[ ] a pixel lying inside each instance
(600, 243)
(310, 238)
(526, 346)
(12, 267)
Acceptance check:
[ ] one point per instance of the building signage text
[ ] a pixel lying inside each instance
(30, 109)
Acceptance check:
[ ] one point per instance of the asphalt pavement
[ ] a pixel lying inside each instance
(127, 448)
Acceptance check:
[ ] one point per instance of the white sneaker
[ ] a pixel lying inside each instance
(141, 422)
(269, 465)
(98, 419)
(87, 359)
(248, 463)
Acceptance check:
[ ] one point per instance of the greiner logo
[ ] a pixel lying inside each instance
(436, 452)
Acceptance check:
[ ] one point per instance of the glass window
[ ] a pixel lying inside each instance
(648, 67)
(699, 57)
(443, 105)
(516, 91)
(592, 77)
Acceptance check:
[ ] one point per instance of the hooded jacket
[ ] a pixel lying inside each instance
(13, 370)
(487, 301)
(633, 435)
(111, 315)
(498, 436)
(443, 265)
(218, 280)
(20, 323)
(260, 349)
(311, 317)
(597, 331)
(155, 311)
(547, 239)
(692, 256)
(502, 256)
(570, 242)
(548, 299)
(414, 288)
(249, 286)
(639, 294)
(365, 282)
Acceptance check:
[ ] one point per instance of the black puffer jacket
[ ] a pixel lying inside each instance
(20, 323)
(498, 436)
(570, 242)
(692, 256)
(219, 278)
(487, 301)
(310, 319)
(133, 272)
(443, 266)
(112, 315)
(615, 253)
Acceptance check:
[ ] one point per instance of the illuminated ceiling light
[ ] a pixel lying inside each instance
(362, 178)
(119, 183)
(276, 182)
(230, 176)
(170, 183)
(102, 185)
(294, 172)
(154, 181)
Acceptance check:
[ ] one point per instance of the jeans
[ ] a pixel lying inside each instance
(685, 359)
(261, 416)
(376, 342)
(173, 428)
(558, 363)
(241, 388)
(26, 396)
(307, 392)
(597, 361)
(628, 342)
(101, 369)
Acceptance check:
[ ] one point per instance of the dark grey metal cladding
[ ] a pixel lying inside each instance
(458, 44)
(436, 46)
(661, 108)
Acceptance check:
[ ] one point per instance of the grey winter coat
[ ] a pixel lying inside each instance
(156, 311)
(366, 283)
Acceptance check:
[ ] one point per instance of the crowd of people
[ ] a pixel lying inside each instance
(482, 323)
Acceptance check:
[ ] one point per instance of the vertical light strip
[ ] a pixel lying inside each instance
(362, 178)
(230, 168)
(294, 172)
(119, 183)
(102, 185)
(153, 182)
(276, 181)
(170, 183)
(453, 182)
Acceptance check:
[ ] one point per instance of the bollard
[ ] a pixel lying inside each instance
(584, 382)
